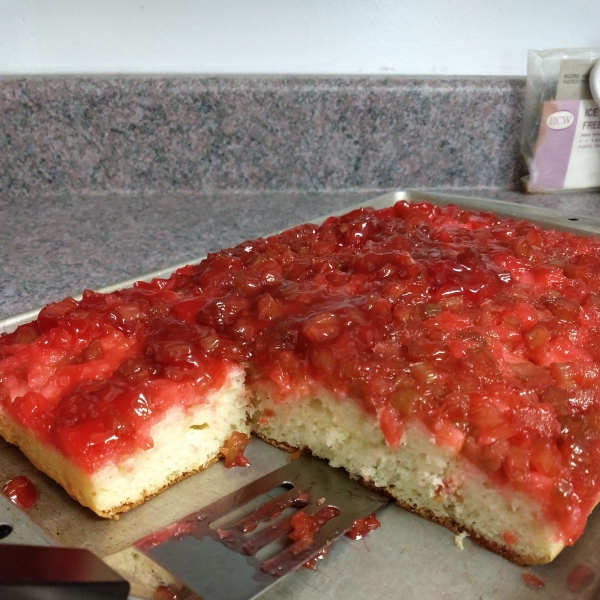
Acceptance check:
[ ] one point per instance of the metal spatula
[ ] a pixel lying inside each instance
(237, 547)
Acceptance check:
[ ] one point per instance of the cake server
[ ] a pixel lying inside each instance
(239, 546)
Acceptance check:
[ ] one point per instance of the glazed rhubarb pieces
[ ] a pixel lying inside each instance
(449, 357)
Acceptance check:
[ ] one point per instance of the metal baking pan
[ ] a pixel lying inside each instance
(408, 557)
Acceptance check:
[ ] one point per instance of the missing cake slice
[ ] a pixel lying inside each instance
(447, 356)
(428, 478)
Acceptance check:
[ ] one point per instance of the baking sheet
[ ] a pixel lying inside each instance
(407, 557)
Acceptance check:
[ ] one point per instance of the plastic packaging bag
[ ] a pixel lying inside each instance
(561, 125)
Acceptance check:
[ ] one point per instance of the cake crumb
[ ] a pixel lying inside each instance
(458, 540)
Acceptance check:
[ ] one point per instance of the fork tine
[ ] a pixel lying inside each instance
(295, 556)
(266, 536)
(289, 499)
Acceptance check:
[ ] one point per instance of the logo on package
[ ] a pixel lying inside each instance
(561, 119)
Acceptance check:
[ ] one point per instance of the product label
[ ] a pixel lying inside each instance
(584, 163)
(574, 79)
(567, 154)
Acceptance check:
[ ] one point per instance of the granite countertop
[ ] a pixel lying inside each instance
(57, 245)
(106, 178)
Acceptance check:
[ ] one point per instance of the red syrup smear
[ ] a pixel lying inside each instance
(276, 514)
(272, 510)
(580, 578)
(533, 581)
(236, 538)
(164, 592)
(21, 491)
(233, 450)
(313, 563)
(176, 530)
(362, 527)
(304, 528)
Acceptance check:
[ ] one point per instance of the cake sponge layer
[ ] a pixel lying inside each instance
(423, 477)
(186, 440)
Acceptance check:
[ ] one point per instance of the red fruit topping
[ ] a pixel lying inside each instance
(510, 538)
(50, 315)
(533, 581)
(174, 353)
(580, 578)
(483, 330)
(233, 450)
(564, 309)
(537, 336)
(21, 491)
(391, 426)
(305, 527)
(24, 334)
(187, 309)
(362, 527)
(136, 370)
(219, 313)
(320, 328)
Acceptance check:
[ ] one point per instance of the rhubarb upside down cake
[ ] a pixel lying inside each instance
(450, 358)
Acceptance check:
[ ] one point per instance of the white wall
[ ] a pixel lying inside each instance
(485, 37)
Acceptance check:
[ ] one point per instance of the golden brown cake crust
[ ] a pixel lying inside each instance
(280, 445)
(455, 527)
(114, 514)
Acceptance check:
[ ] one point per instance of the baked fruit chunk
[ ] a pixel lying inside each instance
(448, 357)
(115, 399)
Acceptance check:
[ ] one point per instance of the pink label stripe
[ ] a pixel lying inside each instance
(553, 148)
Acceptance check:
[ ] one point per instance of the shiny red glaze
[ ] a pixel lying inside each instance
(464, 321)
(510, 538)
(176, 530)
(533, 581)
(21, 491)
(484, 330)
(305, 527)
(104, 370)
(361, 527)
(51, 315)
(313, 563)
(164, 592)
(240, 461)
(580, 578)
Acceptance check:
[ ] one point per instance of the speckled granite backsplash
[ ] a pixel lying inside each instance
(90, 135)
(107, 178)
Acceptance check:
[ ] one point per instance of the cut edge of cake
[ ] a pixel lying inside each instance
(423, 477)
(186, 440)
